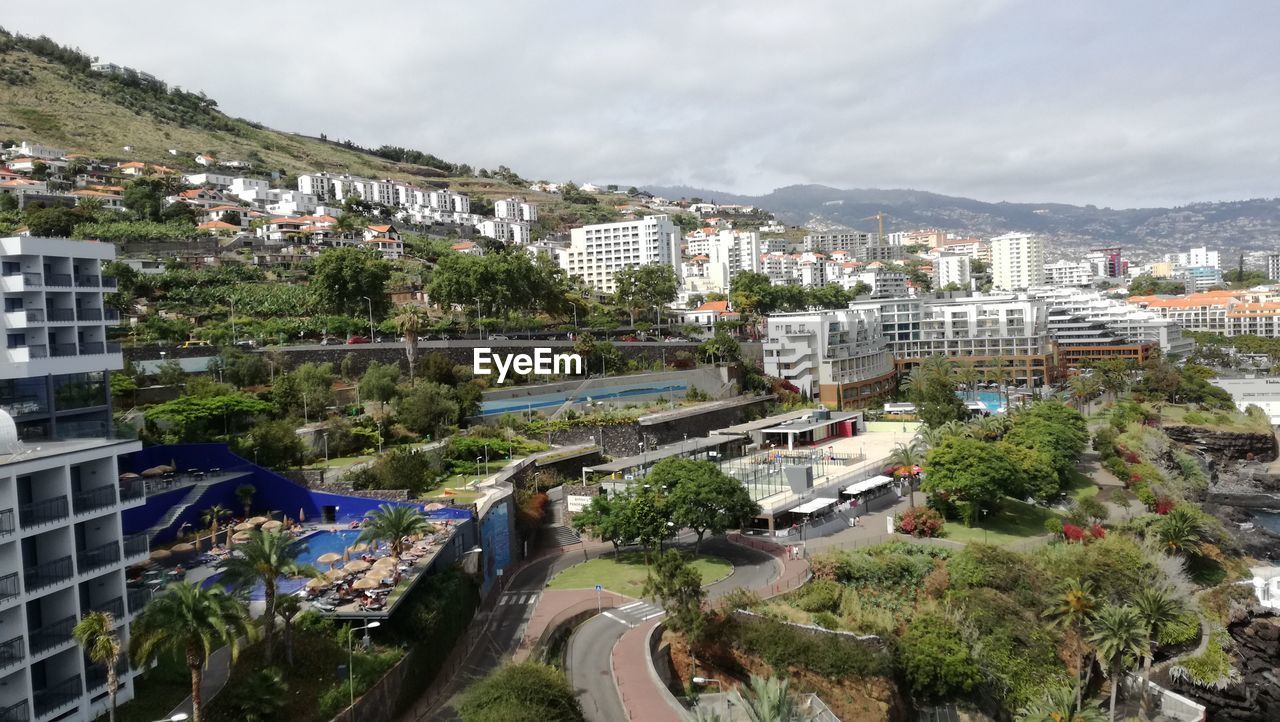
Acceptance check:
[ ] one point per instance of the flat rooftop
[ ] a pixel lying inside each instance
(678, 448)
(802, 424)
(38, 450)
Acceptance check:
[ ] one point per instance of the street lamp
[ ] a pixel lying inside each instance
(351, 677)
(179, 717)
(325, 435)
(370, 302)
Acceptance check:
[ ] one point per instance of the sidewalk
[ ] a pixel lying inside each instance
(557, 605)
(643, 696)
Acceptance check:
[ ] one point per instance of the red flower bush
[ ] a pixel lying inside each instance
(1164, 505)
(1097, 532)
(1072, 533)
(919, 522)
(1130, 457)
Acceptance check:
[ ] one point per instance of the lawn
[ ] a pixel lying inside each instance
(156, 692)
(1081, 486)
(1013, 521)
(458, 483)
(626, 573)
(338, 462)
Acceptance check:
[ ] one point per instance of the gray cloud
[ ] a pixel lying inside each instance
(1107, 103)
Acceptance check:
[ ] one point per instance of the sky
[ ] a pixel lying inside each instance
(1125, 104)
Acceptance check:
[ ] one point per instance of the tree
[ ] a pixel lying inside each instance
(526, 692)
(198, 418)
(263, 559)
(701, 497)
(644, 288)
(191, 621)
(1071, 610)
(379, 382)
(936, 660)
(1118, 634)
(646, 517)
(1060, 704)
(212, 517)
(1115, 376)
(1180, 531)
(963, 470)
(288, 607)
(1084, 387)
(766, 700)
(96, 635)
(720, 348)
(342, 278)
(604, 518)
(393, 523)
(261, 695)
(409, 324)
(54, 222)
(678, 587)
(428, 409)
(244, 493)
(1157, 607)
(931, 388)
(144, 198)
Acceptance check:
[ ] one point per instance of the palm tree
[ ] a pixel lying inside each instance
(264, 558)
(1061, 704)
(928, 437)
(288, 607)
(391, 523)
(967, 375)
(1084, 387)
(245, 493)
(190, 621)
(1157, 607)
(1071, 610)
(1119, 635)
(907, 457)
(409, 323)
(1180, 531)
(955, 428)
(767, 700)
(212, 517)
(96, 634)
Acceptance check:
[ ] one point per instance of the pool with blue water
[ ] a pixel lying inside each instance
(992, 401)
(317, 545)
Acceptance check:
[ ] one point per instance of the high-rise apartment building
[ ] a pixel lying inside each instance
(1017, 262)
(952, 269)
(62, 550)
(596, 252)
(838, 357)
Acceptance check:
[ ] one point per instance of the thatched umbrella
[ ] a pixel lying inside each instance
(272, 525)
(385, 563)
(329, 558)
(161, 554)
(361, 547)
(317, 583)
(356, 566)
(230, 531)
(129, 476)
(365, 583)
(183, 548)
(335, 575)
(155, 471)
(302, 515)
(244, 526)
(241, 536)
(257, 520)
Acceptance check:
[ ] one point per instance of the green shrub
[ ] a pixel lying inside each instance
(826, 620)
(1183, 630)
(527, 692)
(936, 659)
(820, 595)
(1053, 525)
(782, 646)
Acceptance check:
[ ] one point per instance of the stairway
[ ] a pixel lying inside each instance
(192, 496)
(554, 535)
(571, 399)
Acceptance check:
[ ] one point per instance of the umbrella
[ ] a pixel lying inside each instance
(329, 558)
(385, 562)
(335, 575)
(244, 526)
(129, 476)
(241, 536)
(155, 471)
(346, 554)
(361, 547)
(257, 520)
(433, 506)
(356, 566)
(229, 533)
(272, 525)
(161, 554)
(302, 516)
(365, 584)
(182, 548)
(317, 584)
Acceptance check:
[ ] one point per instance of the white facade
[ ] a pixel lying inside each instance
(1123, 319)
(1273, 266)
(515, 209)
(596, 252)
(1017, 261)
(27, 149)
(824, 348)
(1068, 273)
(952, 268)
(852, 241)
(506, 231)
(1195, 257)
(217, 180)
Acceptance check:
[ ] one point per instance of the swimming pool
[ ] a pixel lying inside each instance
(992, 401)
(316, 544)
(556, 400)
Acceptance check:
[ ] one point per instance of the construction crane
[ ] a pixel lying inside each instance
(879, 218)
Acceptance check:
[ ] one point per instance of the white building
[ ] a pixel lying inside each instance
(596, 252)
(506, 231)
(27, 149)
(219, 181)
(1125, 320)
(1068, 273)
(1273, 266)
(62, 549)
(1193, 258)
(839, 357)
(853, 241)
(952, 268)
(515, 209)
(725, 254)
(1017, 261)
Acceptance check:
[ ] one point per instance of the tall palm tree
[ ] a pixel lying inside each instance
(193, 622)
(288, 607)
(1060, 705)
(212, 517)
(1118, 633)
(245, 493)
(391, 523)
(409, 323)
(767, 700)
(967, 375)
(1071, 610)
(907, 457)
(96, 634)
(264, 558)
(1180, 531)
(1084, 387)
(928, 437)
(1158, 608)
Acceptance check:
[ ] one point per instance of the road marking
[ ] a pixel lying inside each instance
(625, 607)
(658, 613)
(619, 620)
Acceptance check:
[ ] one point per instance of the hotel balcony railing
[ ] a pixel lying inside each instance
(51, 635)
(131, 492)
(89, 314)
(92, 348)
(98, 557)
(43, 512)
(59, 695)
(7, 524)
(9, 586)
(136, 544)
(12, 652)
(28, 279)
(62, 349)
(91, 499)
(113, 347)
(38, 350)
(35, 315)
(19, 712)
(138, 600)
(49, 573)
(114, 607)
(95, 676)
(110, 314)
(60, 315)
(88, 281)
(108, 281)
(58, 279)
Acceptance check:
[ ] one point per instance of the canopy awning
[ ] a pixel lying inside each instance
(874, 482)
(813, 505)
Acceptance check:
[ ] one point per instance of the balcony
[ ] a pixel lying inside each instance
(64, 693)
(137, 545)
(62, 315)
(98, 557)
(58, 280)
(9, 587)
(89, 314)
(38, 513)
(24, 354)
(59, 350)
(7, 525)
(12, 652)
(138, 599)
(49, 573)
(132, 492)
(20, 712)
(19, 282)
(110, 314)
(52, 635)
(108, 281)
(113, 347)
(114, 607)
(95, 675)
(93, 499)
(89, 281)
(92, 348)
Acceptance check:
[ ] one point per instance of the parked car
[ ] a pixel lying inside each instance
(357, 339)
(675, 339)
(630, 339)
(498, 337)
(330, 341)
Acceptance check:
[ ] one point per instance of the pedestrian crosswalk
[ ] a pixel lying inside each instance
(519, 598)
(634, 613)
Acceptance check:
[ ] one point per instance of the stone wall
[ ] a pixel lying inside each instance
(330, 483)
(625, 439)
(1226, 445)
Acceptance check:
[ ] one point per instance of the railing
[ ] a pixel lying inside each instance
(114, 607)
(92, 348)
(49, 573)
(43, 512)
(58, 279)
(89, 314)
(113, 347)
(59, 695)
(9, 586)
(110, 314)
(87, 501)
(35, 315)
(38, 350)
(30, 279)
(6, 522)
(63, 349)
(12, 652)
(98, 557)
(95, 676)
(138, 599)
(108, 281)
(59, 315)
(133, 491)
(136, 544)
(51, 635)
(90, 281)
(20, 712)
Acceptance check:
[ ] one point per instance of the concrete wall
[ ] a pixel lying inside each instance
(625, 439)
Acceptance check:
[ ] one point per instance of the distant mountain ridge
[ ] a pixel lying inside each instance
(1247, 226)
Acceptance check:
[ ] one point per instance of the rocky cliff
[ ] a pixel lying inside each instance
(1226, 445)
(1256, 696)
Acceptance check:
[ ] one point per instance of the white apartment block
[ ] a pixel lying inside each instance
(952, 268)
(839, 357)
(973, 248)
(728, 253)
(1193, 258)
(1273, 266)
(853, 241)
(446, 200)
(27, 149)
(62, 549)
(506, 231)
(220, 181)
(596, 252)
(1017, 261)
(515, 209)
(287, 203)
(1068, 273)
(1123, 319)
(883, 284)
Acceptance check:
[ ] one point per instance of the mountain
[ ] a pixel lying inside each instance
(1247, 226)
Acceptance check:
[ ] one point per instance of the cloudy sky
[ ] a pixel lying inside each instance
(1117, 104)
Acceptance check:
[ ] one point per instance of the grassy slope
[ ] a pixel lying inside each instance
(626, 574)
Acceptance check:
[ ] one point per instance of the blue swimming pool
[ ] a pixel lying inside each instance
(553, 401)
(993, 401)
(317, 545)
